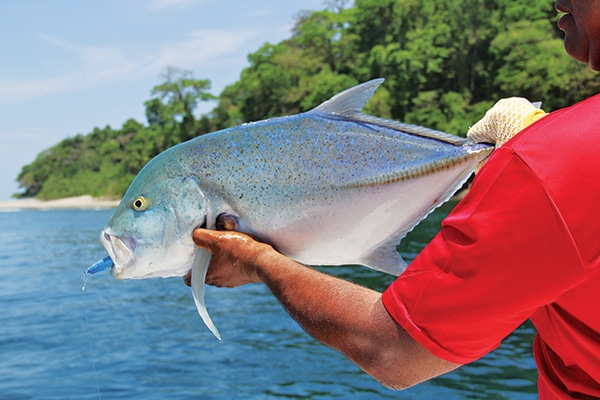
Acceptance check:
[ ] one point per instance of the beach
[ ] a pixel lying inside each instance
(79, 202)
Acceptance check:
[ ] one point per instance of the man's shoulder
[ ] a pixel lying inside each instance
(585, 114)
(569, 132)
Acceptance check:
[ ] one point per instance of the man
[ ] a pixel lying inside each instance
(523, 244)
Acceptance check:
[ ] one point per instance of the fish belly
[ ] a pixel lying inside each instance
(361, 219)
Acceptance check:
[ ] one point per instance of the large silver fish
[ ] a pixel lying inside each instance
(327, 187)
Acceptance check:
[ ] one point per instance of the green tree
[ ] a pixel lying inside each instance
(445, 63)
(176, 100)
(531, 63)
(296, 74)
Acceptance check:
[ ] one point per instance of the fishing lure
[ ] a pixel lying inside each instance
(101, 265)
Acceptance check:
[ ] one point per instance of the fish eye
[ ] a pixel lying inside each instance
(140, 203)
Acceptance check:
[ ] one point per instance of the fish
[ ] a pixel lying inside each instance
(330, 186)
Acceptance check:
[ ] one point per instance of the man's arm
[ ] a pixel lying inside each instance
(338, 313)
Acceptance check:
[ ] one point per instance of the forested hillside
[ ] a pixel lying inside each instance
(445, 63)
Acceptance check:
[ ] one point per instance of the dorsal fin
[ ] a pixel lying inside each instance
(350, 102)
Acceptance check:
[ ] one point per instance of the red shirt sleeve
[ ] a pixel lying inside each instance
(503, 252)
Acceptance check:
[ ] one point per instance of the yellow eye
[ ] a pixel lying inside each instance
(140, 203)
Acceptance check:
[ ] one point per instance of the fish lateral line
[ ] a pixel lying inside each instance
(412, 173)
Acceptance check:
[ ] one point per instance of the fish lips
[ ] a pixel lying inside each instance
(120, 250)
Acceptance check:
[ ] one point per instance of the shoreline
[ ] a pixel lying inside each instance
(78, 202)
(90, 203)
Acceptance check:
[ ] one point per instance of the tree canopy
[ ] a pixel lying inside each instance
(445, 63)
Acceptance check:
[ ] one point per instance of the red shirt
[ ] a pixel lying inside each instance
(524, 243)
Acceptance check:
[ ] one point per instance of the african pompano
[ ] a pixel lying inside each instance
(329, 186)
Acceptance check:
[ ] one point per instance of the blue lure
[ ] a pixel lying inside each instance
(101, 265)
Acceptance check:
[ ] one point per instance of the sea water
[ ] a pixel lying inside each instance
(145, 340)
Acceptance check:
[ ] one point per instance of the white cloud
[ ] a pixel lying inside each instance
(160, 5)
(16, 91)
(261, 12)
(93, 66)
(203, 47)
(25, 135)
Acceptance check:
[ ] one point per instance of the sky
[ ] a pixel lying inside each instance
(69, 66)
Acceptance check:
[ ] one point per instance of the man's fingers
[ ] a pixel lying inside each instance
(187, 279)
(215, 241)
(207, 239)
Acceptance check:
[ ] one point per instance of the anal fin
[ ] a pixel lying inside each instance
(385, 257)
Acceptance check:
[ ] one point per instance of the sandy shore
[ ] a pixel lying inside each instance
(86, 202)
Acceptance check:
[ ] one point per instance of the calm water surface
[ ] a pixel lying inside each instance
(144, 339)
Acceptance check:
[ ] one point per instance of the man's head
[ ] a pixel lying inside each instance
(581, 25)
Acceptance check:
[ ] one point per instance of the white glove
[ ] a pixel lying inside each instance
(503, 121)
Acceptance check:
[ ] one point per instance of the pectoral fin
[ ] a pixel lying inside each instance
(199, 268)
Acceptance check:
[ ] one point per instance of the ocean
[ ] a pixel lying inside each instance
(144, 339)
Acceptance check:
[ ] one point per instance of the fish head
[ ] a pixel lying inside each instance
(150, 234)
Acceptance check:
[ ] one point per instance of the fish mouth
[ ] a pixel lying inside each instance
(120, 249)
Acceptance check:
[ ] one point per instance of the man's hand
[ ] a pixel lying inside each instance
(234, 259)
(503, 121)
(347, 317)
